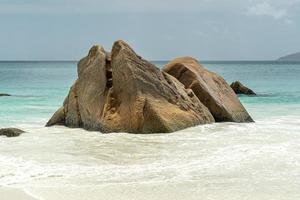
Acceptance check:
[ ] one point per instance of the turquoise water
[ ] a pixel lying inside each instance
(38, 88)
(221, 161)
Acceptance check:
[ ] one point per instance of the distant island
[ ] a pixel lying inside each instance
(291, 57)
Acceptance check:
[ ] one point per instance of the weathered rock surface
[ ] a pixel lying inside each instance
(211, 89)
(4, 95)
(11, 132)
(121, 92)
(239, 88)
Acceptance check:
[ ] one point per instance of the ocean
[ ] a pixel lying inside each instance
(223, 161)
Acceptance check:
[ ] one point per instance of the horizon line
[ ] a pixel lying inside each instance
(153, 60)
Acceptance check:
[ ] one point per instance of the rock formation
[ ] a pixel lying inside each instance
(239, 88)
(122, 92)
(11, 132)
(211, 89)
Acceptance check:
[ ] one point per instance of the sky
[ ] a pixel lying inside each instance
(156, 29)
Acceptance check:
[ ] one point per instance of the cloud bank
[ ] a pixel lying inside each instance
(160, 29)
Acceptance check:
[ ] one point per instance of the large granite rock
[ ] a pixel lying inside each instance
(239, 88)
(121, 92)
(10, 132)
(211, 89)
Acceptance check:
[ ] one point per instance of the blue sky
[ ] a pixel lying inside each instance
(156, 29)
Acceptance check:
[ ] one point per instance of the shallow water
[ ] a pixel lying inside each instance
(220, 161)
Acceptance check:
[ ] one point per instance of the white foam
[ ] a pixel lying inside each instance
(245, 157)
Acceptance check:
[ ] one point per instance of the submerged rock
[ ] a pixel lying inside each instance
(4, 95)
(122, 92)
(239, 88)
(11, 132)
(211, 89)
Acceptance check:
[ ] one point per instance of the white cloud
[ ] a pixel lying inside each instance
(265, 9)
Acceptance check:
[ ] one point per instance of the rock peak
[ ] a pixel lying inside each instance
(121, 46)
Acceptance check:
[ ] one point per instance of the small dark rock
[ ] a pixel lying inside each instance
(11, 132)
(4, 95)
(239, 88)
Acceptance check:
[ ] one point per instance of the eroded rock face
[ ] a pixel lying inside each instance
(211, 89)
(239, 88)
(11, 132)
(121, 92)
